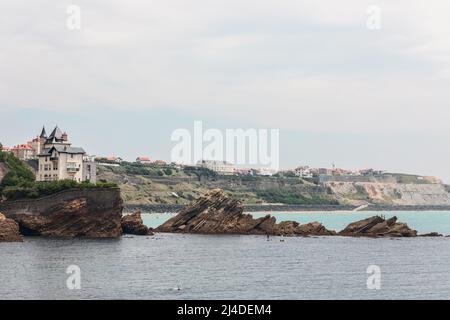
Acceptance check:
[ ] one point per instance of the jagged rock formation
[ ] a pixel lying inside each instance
(9, 230)
(94, 213)
(377, 226)
(133, 224)
(215, 213)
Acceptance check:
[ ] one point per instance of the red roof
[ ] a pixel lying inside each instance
(22, 147)
(5, 148)
(143, 159)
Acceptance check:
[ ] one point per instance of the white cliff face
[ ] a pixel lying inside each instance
(391, 193)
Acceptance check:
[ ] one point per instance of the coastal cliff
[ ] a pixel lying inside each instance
(93, 213)
(152, 189)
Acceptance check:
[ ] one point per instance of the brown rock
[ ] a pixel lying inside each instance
(431, 234)
(74, 218)
(9, 230)
(133, 224)
(216, 213)
(377, 226)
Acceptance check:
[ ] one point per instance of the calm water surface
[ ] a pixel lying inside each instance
(227, 267)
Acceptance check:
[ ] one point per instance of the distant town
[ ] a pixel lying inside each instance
(53, 157)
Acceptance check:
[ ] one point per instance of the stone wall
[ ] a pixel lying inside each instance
(98, 200)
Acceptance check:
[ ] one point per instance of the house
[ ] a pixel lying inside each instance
(58, 160)
(109, 159)
(23, 152)
(221, 167)
(143, 160)
(159, 163)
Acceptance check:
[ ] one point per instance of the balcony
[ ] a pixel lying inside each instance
(71, 169)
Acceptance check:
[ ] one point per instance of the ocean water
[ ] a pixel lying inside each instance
(422, 221)
(232, 266)
(226, 267)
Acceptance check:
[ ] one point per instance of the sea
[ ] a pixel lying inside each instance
(181, 266)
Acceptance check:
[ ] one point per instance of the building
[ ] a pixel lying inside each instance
(89, 169)
(143, 160)
(58, 160)
(221, 167)
(159, 163)
(303, 172)
(23, 152)
(110, 159)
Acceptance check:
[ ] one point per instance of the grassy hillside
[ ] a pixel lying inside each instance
(145, 185)
(153, 185)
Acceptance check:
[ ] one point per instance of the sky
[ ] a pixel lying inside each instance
(135, 71)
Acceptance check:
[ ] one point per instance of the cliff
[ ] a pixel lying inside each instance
(92, 213)
(390, 193)
(149, 188)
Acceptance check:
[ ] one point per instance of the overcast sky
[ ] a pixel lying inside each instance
(137, 70)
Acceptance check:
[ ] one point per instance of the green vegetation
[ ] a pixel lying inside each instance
(18, 172)
(289, 197)
(19, 182)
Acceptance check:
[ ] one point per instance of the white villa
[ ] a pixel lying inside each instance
(58, 160)
(221, 167)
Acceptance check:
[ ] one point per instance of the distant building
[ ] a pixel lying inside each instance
(110, 159)
(143, 160)
(221, 167)
(265, 171)
(303, 172)
(159, 163)
(23, 152)
(58, 160)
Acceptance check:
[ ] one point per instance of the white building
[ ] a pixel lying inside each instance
(58, 160)
(222, 167)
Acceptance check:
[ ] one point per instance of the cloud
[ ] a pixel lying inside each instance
(310, 65)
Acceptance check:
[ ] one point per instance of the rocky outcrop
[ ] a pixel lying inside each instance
(133, 224)
(377, 226)
(93, 213)
(431, 234)
(9, 230)
(215, 213)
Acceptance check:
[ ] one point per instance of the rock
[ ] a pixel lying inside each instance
(133, 224)
(377, 226)
(431, 234)
(216, 213)
(86, 214)
(9, 230)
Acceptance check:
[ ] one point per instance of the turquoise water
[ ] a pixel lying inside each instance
(422, 221)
